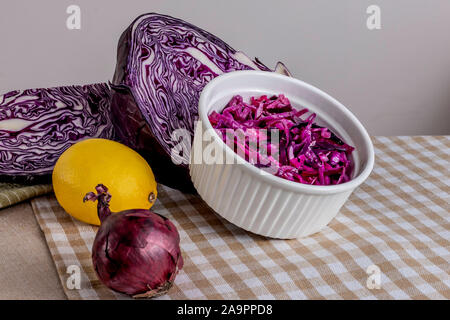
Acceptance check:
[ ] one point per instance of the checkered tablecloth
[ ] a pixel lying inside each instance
(397, 223)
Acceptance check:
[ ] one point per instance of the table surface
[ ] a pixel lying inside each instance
(27, 270)
(398, 222)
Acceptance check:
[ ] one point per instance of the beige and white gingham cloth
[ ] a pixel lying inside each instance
(397, 222)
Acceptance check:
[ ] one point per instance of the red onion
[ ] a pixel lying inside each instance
(135, 252)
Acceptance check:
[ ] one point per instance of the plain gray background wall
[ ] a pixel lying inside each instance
(396, 79)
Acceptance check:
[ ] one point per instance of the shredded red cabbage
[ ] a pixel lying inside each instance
(306, 153)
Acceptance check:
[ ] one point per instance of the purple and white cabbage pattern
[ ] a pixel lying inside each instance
(37, 125)
(163, 63)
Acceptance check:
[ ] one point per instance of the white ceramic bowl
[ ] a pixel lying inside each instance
(260, 202)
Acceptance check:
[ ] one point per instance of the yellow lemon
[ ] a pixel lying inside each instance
(123, 171)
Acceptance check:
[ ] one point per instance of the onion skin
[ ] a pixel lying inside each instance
(135, 252)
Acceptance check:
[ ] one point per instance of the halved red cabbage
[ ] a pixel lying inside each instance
(306, 153)
(37, 125)
(163, 63)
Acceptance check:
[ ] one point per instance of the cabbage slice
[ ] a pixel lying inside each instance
(37, 125)
(163, 63)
